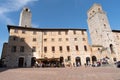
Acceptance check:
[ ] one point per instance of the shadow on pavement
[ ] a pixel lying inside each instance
(3, 69)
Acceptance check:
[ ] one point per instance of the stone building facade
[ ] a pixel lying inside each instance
(104, 41)
(26, 44)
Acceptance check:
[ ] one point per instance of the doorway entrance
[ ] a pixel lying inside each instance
(33, 61)
(61, 61)
(21, 62)
(78, 61)
(94, 59)
(87, 60)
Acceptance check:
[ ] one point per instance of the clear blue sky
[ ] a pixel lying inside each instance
(54, 14)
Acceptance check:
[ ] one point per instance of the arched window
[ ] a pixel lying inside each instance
(85, 47)
(26, 9)
(111, 48)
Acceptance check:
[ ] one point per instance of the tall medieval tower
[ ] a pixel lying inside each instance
(25, 18)
(100, 31)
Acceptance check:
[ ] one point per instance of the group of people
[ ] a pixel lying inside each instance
(58, 64)
(47, 64)
(38, 64)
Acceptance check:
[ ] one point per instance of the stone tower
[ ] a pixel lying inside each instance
(25, 18)
(99, 27)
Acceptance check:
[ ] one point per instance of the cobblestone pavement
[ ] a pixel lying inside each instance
(76, 73)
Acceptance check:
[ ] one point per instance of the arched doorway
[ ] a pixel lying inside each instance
(21, 62)
(61, 61)
(87, 60)
(94, 59)
(78, 61)
(33, 61)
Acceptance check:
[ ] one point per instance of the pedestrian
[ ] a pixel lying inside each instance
(73, 64)
(85, 65)
(25, 64)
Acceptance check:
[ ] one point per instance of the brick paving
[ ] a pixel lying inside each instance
(79, 73)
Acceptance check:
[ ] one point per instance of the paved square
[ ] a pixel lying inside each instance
(74, 73)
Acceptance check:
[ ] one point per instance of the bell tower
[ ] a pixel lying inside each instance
(100, 31)
(25, 18)
(99, 27)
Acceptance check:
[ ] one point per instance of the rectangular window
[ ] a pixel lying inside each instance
(59, 33)
(23, 31)
(83, 39)
(45, 40)
(22, 39)
(85, 48)
(53, 49)
(13, 49)
(22, 49)
(52, 39)
(15, 31)
(34, 39)
(74, 32)
(67, 39)
(14, 38)
(66, 32)
(45, 49)
(105, 25)
(117, 37)
(77, 49)
(60, 48)
(75, 39)
(34, 32)
(60, 39)
(69, 58)
(82, 32)
(96, 31)
(45, 33)
(33, 49)
(68, 48)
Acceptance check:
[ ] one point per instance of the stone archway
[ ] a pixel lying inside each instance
(78, 61)
(21, 62)
(87, 60)
(62, 61)
(94, 59)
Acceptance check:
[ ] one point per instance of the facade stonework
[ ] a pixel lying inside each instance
(26, 44)
(102, 35)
